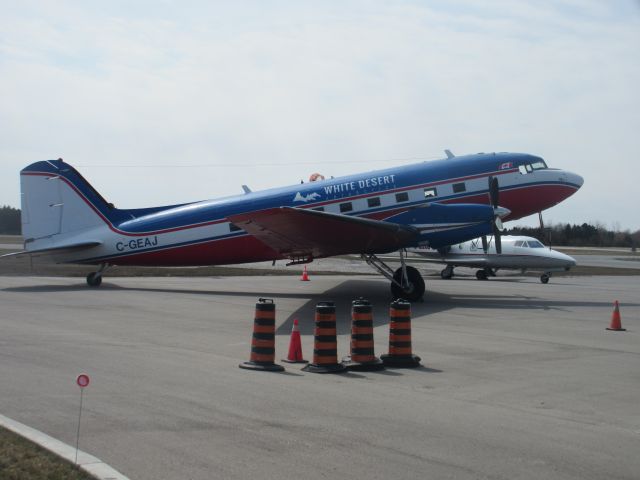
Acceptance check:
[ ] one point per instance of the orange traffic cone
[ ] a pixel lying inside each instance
(295, 346)
(305, 275)
(616, 322)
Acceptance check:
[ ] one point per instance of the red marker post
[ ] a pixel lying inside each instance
(83, 381)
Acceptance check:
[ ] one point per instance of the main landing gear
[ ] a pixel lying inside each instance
(406, 281)
(94, 279)
(544, 278)
(447, 272)
(485, 273)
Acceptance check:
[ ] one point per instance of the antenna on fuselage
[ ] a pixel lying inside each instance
(449, 154)
(246, 189)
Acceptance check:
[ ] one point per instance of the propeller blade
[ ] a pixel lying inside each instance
(498, 241)
(485, 245)
(494, 191)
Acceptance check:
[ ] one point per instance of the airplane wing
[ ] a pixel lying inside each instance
(71, 247)
(297, 233)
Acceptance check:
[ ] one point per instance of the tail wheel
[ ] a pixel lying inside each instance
(415, 285)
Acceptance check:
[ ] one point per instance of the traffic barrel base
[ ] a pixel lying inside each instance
(400, 361)
(267, 367)
(263, 350)
(325, 351)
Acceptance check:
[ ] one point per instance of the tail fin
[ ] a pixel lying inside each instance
(56, 200)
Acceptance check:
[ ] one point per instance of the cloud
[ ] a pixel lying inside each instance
(318, 87)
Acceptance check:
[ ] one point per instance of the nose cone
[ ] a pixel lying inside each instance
(567, 260)
(574, 179)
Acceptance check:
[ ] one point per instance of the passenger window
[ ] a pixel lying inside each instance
(430, 192)
(402, 197)
(346, 207)
(373, 202)
(318, 209)
(459, 187)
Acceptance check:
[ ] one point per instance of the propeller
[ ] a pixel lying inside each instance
(498, 212)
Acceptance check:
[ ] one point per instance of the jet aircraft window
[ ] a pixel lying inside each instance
(523, 169)
(535, 244)
(402, 197)
(430, 192)
(346, 207)
(459, 187)
(519, 243)
(318, 209)
(373, 202)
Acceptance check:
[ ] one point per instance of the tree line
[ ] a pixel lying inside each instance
(584, 235)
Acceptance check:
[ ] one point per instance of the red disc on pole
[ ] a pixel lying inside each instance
(82, 380)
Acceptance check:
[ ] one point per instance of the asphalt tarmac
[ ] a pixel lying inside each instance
(520, 380)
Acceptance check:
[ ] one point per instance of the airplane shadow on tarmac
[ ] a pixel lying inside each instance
(376, 292)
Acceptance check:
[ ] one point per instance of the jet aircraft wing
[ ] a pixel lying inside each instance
(298, 233)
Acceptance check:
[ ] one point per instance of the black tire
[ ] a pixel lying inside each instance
(446, 273)
(94, 280)
(544, 278)
(416, 285)
(481, 275)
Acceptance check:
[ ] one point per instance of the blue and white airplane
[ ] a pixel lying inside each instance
(432, 204)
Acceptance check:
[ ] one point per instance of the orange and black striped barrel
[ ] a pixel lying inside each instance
(263, 348)
(400, 353)
(362, 349)
(325, 343)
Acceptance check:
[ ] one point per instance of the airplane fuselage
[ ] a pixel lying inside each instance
(200, 233)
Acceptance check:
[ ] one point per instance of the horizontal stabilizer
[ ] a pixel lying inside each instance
(297, 232)
(71, 247)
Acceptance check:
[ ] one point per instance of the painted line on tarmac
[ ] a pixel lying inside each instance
(92, 465)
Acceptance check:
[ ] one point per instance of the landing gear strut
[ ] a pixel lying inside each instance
(406, 281)
(94, 279)
(447, 272)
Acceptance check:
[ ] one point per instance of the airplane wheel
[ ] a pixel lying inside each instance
(94, 280)
(446, 273)
(544, 278)
(416, 285)
(481, 275)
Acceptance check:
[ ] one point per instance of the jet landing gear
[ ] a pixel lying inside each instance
(406, 282)
(94, 279)
(544, 278)
(447, 272)
(485, 273)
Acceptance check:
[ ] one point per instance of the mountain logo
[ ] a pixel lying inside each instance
(305, 198)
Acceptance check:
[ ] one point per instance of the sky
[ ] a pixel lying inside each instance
(162, 102)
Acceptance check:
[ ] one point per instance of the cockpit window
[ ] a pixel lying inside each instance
(519, 243)
(538, 165)
(530, 167)
(535, 244)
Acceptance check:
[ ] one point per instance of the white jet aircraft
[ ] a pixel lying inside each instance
(518, 253)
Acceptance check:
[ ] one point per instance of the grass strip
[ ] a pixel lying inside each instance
(20, 459)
